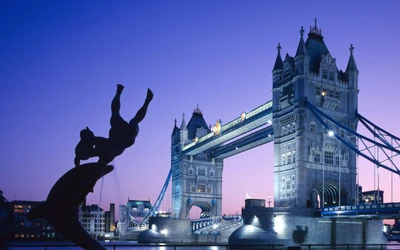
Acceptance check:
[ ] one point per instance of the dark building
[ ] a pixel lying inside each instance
(110, 219)
(249, 203)
(22, 228)
(372, 197)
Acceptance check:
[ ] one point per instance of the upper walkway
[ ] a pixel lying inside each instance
(245, 123)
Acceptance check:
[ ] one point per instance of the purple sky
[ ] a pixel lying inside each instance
(61, 60)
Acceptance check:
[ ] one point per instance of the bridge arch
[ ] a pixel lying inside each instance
(207, 209)
(331, 194)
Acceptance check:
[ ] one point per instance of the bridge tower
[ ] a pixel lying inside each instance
(196, 179)
(310, 166)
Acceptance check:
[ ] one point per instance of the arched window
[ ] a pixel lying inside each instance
(201, 171)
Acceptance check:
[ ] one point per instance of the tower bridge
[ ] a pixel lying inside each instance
(312, 121)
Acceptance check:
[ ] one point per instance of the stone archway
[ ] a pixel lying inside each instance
(207, 209)
(327, 192)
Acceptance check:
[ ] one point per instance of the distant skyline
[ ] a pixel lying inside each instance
(61, 60)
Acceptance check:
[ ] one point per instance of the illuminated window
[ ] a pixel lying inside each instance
(201, 188)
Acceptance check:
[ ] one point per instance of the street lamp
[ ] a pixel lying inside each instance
(269, 200)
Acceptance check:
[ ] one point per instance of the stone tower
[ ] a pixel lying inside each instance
(312, 168)
(196, 180)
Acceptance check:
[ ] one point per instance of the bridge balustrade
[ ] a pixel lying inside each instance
(379, 210)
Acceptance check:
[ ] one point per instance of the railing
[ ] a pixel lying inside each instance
(218, 246)
(360, 209)
(163, 246)
(350, 246)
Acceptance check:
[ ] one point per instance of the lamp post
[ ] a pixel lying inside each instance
(269, 200)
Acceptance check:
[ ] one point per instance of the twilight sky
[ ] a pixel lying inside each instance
(60, 62)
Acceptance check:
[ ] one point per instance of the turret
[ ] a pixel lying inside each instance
(301, 57)
(352, 71)
(175, 135)
(183, 132)
(351, 76)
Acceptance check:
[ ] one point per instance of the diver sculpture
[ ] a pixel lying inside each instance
(61, 207)
(121, 134)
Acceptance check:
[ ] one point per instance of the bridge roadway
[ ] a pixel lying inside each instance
(373, 211)
(247, 122)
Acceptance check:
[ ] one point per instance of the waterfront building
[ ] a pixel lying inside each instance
(93, 220)
(23, 229)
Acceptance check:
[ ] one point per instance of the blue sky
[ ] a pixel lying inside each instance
(61, 60)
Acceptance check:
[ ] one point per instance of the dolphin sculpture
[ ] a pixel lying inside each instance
(61, 208)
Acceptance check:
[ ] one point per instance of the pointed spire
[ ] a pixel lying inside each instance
(351, 65)
(278, 62)
(183, 124)
(176, 129)
(301, 49)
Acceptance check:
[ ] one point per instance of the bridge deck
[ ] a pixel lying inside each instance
(239, 126)
(378, 211)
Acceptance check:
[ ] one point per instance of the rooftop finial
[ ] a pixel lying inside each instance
(279, 47)
(301, 31)
(183, 116)
(315, 29)
(175, 122)
(351, 48)
(197, 110)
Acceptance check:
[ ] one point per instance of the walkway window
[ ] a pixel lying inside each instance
(328, 157)
(212, 173)
(190, 171)
(337, 95)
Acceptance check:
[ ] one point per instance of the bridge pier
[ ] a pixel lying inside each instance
(297, 226)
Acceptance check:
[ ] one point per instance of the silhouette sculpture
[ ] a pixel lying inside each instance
(61, 207)
(121, 134)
